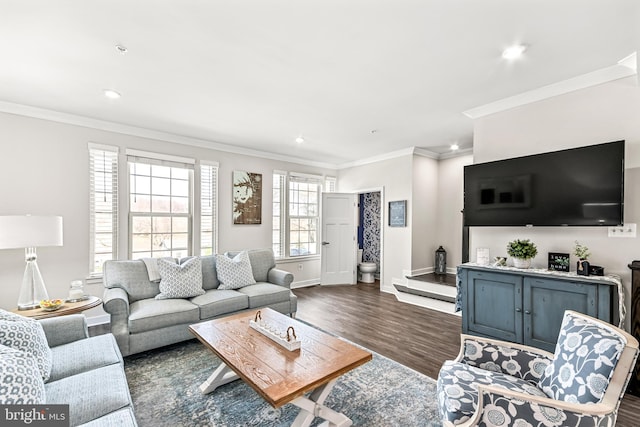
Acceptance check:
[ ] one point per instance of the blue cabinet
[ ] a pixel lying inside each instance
(527, 306)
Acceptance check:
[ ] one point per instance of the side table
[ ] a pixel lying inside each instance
(66, 308)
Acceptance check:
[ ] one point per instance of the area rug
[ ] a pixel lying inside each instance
(164, 387)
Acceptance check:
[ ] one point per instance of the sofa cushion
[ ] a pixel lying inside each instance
(27, 335)
(20, 379)
(263, 294)
(151, 314)
(91, 395)
(180, 280)
(583, 363)
(458, 389)
(84, 355)
(209, 274)
(216, 302)
(234, 273)
(262, 260)
(132, 276)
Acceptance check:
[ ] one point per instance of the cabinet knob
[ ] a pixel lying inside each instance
(527, 312)
(518, 310)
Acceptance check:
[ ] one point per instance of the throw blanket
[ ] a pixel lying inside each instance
(152, 269)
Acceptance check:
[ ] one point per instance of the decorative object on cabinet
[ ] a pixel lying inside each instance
(526, 307)
(522, 251)
(582, 252)
(558, 261)
(398, 213)
(483, 256)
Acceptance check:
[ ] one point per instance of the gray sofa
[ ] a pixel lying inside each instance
(140, 322)
(87, 373)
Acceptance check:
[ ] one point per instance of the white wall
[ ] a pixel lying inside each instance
(395, 177)
(44, 171)
(450, 202)
(424, 210)
(603, 113)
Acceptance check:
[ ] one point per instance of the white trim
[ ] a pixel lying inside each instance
(73, 119)
(425, 153)
(209, 163)
(594, 78)
(306, 176)
(101, 319)
(305, 283)
(379, 158)
(456, 153)
(103, 147)
(159, 156)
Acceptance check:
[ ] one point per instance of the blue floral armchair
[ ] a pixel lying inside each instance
(496, 383)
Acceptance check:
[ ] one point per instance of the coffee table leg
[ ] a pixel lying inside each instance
(222, 375)
(313, 406)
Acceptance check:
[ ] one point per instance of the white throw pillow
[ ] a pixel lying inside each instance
(234, 273)
(180, 280)
(20, 379)
(27, 335)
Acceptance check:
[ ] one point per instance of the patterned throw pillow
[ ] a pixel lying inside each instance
(585, 357)
(180, 281)
(20, 379)
(234, 273)
(27, 335)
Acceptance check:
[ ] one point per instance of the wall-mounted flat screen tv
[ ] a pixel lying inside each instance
(577, 187)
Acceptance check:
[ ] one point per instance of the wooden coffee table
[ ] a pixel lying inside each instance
(278, 375)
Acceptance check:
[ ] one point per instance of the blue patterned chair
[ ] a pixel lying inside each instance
(496, 383)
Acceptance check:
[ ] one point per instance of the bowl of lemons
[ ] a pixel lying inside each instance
(51, 304)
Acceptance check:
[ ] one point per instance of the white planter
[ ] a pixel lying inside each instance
(521, 263)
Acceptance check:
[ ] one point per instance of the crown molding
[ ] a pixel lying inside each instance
(103, 125)
(624, 68)
(457, 153)
(378, 158)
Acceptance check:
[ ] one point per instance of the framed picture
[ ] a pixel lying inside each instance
(398, 213)
(558, 261)
(247, 197)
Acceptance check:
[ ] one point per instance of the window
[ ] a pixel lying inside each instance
(296, 213)
(103, 206)
(208, 208)
(160, 207)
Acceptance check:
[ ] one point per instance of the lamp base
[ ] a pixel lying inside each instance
(33, 290)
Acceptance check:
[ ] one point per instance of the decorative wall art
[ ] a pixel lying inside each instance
(247, 197)
(398, 213)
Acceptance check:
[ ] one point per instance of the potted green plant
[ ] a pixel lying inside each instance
(522, 251)
(582, 252)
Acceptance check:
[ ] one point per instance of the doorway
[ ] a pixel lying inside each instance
(370, 225)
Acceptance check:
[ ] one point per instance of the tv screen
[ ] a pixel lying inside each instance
(577, 187)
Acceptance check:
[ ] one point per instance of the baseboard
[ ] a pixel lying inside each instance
(426, 270)
(305, 283)
(98, 320)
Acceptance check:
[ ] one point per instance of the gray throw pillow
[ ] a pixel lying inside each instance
(20, 379)
(180, 280)
(234, 273)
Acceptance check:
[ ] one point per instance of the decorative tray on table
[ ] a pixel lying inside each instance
(287, 339)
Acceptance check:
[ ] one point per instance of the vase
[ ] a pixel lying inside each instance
(582, 267)
(521, 263)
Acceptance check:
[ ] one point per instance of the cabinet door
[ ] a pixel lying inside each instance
(544, 303)
(494, 305)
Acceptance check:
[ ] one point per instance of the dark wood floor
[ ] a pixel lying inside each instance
(414, 336)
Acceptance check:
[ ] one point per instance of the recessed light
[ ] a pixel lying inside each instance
(111, 94)
(299, 140)
(514, 51)
(454, 147)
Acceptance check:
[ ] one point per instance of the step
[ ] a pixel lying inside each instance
(433, 296)
(447, 297)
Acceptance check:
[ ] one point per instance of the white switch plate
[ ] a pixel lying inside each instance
(627, 230)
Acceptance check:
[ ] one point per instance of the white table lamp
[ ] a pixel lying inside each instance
(30, 232)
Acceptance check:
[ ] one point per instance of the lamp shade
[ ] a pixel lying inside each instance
(28, 231)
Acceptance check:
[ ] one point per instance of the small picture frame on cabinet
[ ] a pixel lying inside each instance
(558, 261)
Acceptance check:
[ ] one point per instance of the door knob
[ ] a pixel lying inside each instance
(325, 243)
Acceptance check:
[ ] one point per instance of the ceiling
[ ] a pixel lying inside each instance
(355, 78)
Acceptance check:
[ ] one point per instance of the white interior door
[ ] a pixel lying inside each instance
(339, 243)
